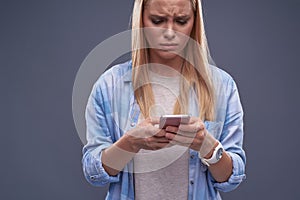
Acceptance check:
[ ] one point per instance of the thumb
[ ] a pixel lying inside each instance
(154, 120)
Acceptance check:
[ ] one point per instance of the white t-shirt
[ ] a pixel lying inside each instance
(162, 174)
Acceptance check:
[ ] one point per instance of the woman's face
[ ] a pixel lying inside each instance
(171, 23)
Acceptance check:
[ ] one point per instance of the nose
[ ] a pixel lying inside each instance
(169, 33)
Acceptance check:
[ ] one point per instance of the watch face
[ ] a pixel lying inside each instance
(219, 154)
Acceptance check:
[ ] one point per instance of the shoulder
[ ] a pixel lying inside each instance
(220, 74)
(112, 78)
(226, 93)
(118, 72)
(222, 79)
(119, 69)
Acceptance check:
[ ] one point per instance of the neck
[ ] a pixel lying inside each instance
(166, 67)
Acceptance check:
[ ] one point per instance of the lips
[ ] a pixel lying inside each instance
(168, 46)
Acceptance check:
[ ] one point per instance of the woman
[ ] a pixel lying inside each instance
(169, 74)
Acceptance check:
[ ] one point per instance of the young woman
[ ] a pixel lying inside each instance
(169, 73)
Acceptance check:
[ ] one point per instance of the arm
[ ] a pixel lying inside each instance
(98, 139)
(232, 141)
(144, 136)
(195, 136)
(222, 170)
(103, 158)
(228, 173)
(122, 152)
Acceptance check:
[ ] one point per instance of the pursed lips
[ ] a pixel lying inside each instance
(168, 46)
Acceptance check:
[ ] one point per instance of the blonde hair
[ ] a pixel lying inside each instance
(198, 77)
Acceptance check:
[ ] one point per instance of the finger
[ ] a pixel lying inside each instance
(162, 140)
(194, 119)
(153, 140)
(187, 134)
(179, 138)
(154, 120)
(160, 133)
(175, 130)
(155, 143)
(172, 129)
(194, 127)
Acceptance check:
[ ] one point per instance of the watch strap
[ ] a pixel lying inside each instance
(214, 159)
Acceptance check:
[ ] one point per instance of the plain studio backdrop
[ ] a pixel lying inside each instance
(43, 44)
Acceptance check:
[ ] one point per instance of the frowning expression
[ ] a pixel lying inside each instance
(170, 23)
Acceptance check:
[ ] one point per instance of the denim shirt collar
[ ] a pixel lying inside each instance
(128, 76)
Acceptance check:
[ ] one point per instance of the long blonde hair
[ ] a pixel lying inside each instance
(197, 75)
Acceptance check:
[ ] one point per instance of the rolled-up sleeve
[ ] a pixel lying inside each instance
(232, 140)
(236, 177)
(94, 171)
(98, 133)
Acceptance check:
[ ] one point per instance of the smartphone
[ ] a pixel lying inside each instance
(173, 120)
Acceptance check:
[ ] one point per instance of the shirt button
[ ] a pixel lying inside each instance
(93, 177)
(132, 124)
(192, 182)
(192, 156)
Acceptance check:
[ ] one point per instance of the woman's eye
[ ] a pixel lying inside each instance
(156, 21)
(181, 22)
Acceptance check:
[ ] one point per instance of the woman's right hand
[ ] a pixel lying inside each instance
(144, 136)
(147, 136)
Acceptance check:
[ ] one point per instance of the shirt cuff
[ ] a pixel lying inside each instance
(93, 170)
(237, 176)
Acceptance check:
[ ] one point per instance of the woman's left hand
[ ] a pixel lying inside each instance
(190, 135)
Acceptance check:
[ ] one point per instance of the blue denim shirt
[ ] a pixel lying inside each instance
(112, 110)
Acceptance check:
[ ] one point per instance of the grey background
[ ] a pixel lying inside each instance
(43, 43)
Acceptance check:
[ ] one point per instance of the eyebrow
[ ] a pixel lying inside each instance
(176, 17)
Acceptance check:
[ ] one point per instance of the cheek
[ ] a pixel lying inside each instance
(151, 35)
(188, 28)
(149, 32)
(185, 34)
(146, 22)
(184, 38)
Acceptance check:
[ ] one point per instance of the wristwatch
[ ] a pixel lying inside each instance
(217, 155)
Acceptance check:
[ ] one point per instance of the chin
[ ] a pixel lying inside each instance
(167, 55)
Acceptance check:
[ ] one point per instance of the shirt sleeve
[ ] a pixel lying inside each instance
(232, 141)
(98, 133)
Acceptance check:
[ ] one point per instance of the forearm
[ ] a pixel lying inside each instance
(145, 136)
(222, 170)
(118, 155)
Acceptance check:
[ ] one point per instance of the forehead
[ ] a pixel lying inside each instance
(169, 7)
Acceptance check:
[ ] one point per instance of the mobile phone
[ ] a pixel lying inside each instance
(173, 120)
